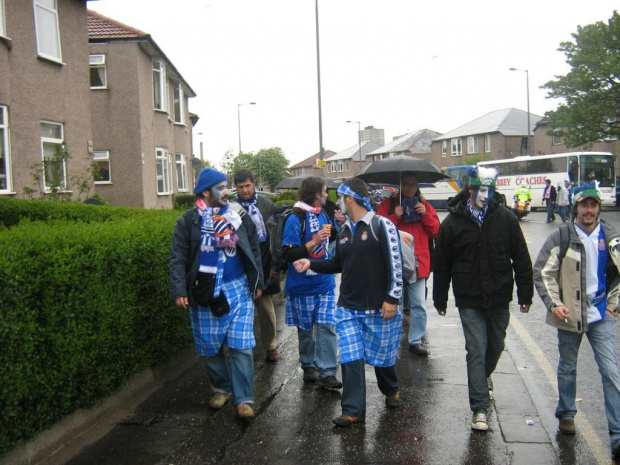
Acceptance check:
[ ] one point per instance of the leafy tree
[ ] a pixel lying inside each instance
(591, 90)
(270, 166)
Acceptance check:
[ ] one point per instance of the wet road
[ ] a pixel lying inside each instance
(175, 425)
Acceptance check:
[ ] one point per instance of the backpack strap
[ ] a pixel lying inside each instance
(564, 241)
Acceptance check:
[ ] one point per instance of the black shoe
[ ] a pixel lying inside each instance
(310, 375)
(393, 401)
(419, 349)
(329, 382)
(344, 420)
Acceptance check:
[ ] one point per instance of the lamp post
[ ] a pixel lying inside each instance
(527, 83)
(318, 77)
(359, 142)
(239, 120)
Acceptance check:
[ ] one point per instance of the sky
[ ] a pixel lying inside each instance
(398, 65)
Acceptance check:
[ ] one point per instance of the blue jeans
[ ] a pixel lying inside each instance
(239, 379)
(417, 310)
(603, 342)
(485, 332)
(353, 401)
(321, 353)
(564, 212)
(550, 215)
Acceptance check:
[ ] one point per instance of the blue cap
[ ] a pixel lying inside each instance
(208, 177)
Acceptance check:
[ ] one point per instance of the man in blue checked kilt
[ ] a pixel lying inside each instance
(215, 270)
(367, 318)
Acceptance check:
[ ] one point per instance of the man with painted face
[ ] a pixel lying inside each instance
(587, 264)
(367, 318)
(423, 227)
(482, 251)
(215, 270)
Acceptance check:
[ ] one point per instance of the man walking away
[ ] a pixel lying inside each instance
(583, 259)
(549, 198)
(480, 245)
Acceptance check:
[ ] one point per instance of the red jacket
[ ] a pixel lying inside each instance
(421, 230)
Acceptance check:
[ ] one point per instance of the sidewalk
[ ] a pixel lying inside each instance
(293, 424)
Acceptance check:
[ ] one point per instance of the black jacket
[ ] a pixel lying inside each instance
(185, 256)
(480, 262)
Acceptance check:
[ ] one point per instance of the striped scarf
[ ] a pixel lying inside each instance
(257, 217)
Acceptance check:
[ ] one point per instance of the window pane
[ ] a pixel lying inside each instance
(96, 59)
(97, 77)
(102, 169)
(47, 32)
(3, 167)
(51, 131)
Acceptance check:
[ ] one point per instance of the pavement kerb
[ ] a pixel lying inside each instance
(86, 426)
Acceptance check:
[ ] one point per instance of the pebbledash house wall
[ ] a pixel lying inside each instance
(502, 147)
(126, 124)
(35, 89)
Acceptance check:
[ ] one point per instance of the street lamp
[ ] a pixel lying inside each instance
(527, 83)
(359, 142)
(318, 77)
(239, 120)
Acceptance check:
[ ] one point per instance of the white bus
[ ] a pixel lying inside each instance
(442, 192)
(577, 167)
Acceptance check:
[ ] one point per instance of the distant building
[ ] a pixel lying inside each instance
(308, 166)
(142, 131)
(350, 162)
(416, 144)
(372, 134)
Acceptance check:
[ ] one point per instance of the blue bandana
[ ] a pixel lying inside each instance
(346, 190)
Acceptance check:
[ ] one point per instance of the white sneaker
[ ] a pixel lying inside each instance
(218, 400)
(479, 421)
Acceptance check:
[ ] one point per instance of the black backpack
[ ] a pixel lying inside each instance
(275, 226)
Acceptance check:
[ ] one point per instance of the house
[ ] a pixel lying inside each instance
(350, 162)
(142, 131)
(308, 166)
(416, 144)
(45, 124)
(497, 135)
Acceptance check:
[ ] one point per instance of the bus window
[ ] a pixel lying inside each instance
(573, 170)
(598, 168)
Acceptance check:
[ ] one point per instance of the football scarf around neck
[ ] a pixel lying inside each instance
(257, 217)
(477, 215)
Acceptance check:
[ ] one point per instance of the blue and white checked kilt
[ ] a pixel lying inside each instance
(367, 336)
(305, 311)
(236, 328)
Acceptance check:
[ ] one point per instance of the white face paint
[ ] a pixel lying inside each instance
(482, 197)
(219, 195)
(341, 205)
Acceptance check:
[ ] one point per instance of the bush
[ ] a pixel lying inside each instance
(83, 307)
(289, 195)
(184, 201)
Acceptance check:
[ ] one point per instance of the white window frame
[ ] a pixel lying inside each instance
(556, 140)
(5, 169)
(47, 32)
(178, 104)
(181, 163)
(2, 20)
(102, 156)
(97, 61)
(444, 148)
(59, 143)
(339, 166)
(160, 86)
(456, 145)
(162, 162)
(472, 144)
(487, 143)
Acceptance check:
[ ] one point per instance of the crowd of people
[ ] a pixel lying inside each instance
(220, 269)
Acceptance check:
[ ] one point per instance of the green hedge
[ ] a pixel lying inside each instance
(83, 307)
(184, 201)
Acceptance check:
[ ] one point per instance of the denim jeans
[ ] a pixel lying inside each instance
(485, 332)
(550, 215)
(602, 337)
(417, 310)
(564, 212)
(321, 353)
(353, 401)
(239, 379)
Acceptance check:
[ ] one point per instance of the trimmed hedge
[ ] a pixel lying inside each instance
(83, 307)
(184, 201)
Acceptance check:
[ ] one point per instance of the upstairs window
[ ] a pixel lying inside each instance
(53, 153)
(444, 148)
(556, 140)
(160, 86)
(457, 147)
(101, 159)
(47, 29)
(178, 104)
(98, 75)
(4, 149)
(487, 143)
(472, 144)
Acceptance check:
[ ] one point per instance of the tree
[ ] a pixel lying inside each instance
(270, 166)
(591, 90)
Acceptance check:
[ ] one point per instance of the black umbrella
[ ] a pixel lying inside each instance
(295, 183)
(391, 170)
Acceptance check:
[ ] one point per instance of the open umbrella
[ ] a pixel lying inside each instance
(295, 183)
(390, 170)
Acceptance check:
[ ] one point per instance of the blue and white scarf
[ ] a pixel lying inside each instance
(346, 190)
(477, 215)
(257, 217)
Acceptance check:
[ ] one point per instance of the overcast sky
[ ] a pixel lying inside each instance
(399, 65)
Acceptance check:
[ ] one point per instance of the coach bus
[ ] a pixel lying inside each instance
(441, 193)
(577, 167)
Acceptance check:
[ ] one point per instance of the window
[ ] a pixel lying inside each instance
(163, 171)
(54, 160)
(181, 172)
(472, 144)
(556, 140)
(444, 148)
(487, 143)
(2, 24)
(178, 104)
(4, 147)
(47, 30)
(98, 75)
(457, 148)
(101, 159)
(160, 86)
